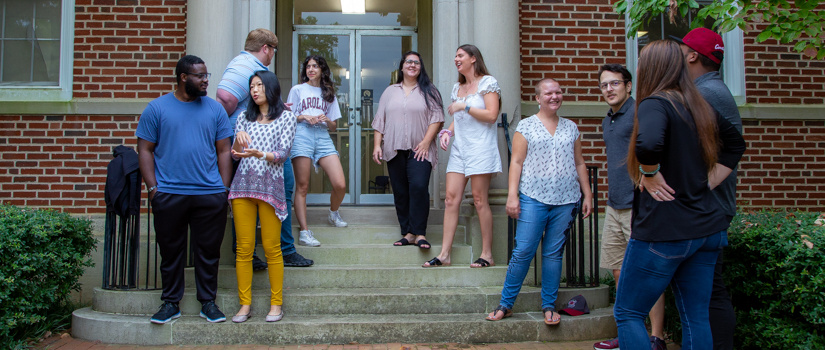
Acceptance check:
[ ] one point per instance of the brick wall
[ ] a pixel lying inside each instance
(775, 73)
(127, 48)
(59, 161)
(569, 41)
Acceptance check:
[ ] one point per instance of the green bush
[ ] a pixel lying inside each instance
(44, 253)
(775, 271)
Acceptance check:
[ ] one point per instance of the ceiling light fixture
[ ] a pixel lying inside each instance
(353, 6)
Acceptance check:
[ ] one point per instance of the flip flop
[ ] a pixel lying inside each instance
(549, 321)
(481, 262)
(403, 242)
(434, 262)
(505, 313)
(421, 243)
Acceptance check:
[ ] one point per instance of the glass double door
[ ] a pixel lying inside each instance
(363, 62)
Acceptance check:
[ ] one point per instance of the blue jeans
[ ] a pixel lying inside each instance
(287, 241)
(549, 224)
(648, 268)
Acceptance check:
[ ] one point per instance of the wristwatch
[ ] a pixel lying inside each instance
(263, 157)
(467, 109)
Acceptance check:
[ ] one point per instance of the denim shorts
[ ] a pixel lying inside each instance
(312, 142)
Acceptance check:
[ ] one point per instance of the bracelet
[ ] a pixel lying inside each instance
(152, 188)
(445, 131)
(651, 173)
(263, 157)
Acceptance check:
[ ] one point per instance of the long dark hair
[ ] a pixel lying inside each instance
(272, 90)
(327, 89)
(431, 95)
(479, 67)
(662, 72)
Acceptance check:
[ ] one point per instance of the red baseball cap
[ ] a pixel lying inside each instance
(706, 42)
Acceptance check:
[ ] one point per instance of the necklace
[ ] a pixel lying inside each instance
(467, 87)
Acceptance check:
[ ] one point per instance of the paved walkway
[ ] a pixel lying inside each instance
(66, 342)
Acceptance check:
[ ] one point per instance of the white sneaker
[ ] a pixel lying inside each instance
(306, 238)
(335, 219)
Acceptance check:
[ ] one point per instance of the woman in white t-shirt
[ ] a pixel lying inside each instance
(474, 156)
(316, 108)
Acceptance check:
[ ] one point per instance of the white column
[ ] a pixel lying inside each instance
(496, 34)
(209, 35)
(446, 27)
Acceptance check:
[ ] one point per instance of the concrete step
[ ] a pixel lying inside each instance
(375, 233)
(379, 254)
(371, 276)
(344, 301)
(334, 329)
(358, 215)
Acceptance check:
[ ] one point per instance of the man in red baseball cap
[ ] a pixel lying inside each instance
(704, 51)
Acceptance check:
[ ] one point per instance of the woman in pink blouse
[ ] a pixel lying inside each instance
(410, 113)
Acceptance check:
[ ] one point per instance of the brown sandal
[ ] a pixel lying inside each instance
(505, 313)
(549, 321)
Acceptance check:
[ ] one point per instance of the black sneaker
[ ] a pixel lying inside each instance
(167, 312)
(211, 313)
(258, 264)
(296, 260)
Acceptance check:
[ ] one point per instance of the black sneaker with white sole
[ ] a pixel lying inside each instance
(211, 313)
(167, 312)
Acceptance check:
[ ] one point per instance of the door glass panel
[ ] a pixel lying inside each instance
(377, 13)
(379, 69)
(335, 49)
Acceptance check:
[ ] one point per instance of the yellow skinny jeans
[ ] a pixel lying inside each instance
(246, 211)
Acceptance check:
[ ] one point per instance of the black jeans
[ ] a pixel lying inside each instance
(410, 179)
(722, 316)
(205, 218)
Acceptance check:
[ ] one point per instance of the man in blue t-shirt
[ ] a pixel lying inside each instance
(233, 94)
(183, 145)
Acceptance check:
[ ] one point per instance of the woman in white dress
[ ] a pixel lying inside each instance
(474, 155)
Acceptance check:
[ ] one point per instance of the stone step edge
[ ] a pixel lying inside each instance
(361, 329)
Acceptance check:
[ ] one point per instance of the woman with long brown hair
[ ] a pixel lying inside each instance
(679, 151)
(317, 111)
(409, 115)
(476, 99)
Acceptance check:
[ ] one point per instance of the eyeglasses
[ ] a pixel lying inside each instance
(201, 75)
(613, 83)
(274, 49)
(412, 62)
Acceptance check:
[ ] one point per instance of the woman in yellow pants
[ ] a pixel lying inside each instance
(263, 140)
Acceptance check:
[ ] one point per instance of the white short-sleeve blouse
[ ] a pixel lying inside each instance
(548, 174)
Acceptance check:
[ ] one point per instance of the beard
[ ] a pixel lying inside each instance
(193, 89)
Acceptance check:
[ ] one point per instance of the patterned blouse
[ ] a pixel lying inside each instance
(261, 179)
(549, 171)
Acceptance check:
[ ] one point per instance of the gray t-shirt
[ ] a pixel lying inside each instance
(616, 131)
(714, 90)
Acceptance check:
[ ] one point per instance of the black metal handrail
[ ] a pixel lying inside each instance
(582, 247)
(122, 240)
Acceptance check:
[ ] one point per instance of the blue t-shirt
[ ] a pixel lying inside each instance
(184, 134)
(235, 80)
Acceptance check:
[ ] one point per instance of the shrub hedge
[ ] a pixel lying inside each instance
(775, 271)
(44, 253)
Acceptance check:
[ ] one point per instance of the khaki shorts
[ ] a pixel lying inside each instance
(615, 236)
